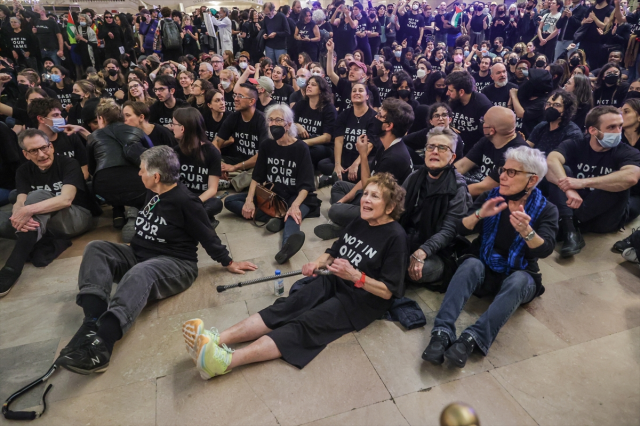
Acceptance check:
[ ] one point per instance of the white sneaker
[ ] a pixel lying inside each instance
(630, 255)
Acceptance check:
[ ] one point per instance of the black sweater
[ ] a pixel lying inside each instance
(174, 227)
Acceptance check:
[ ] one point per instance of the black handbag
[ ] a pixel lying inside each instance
(580, 33)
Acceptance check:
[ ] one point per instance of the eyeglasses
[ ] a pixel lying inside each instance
(159, 89)
(277, 121)
(441, 148)
(381, 118)
(152, 203)
(134, 86)
(512, 172)
(553, 105)
(239, 96)
(45, 149)
(439, 116)
(613, 73)
(216, 62)
(522, 68)
(108, 17)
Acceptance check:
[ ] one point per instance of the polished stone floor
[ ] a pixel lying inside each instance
(571, 357)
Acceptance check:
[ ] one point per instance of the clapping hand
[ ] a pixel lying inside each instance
(492, 207)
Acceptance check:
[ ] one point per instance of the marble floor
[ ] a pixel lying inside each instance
(571, 357)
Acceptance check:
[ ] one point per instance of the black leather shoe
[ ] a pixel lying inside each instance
(293, 245)
(573, 243)
(458, 353)
(8, 278)
(434, 353)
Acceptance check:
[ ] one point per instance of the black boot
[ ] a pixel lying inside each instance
(458, 353)
(573, 243)
(434, 353)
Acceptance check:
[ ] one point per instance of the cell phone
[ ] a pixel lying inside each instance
(376, 57)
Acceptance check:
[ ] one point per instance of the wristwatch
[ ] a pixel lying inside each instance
(530, 235)
(360, 282)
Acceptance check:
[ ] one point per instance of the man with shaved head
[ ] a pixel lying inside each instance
(498, 92)
(499, 128)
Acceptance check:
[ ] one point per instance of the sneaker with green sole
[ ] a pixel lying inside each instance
(194, 328)
(213, 360)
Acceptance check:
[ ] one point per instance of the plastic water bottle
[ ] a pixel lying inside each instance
(278, 284)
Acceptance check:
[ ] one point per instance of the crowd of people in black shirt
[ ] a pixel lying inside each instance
(520, 123)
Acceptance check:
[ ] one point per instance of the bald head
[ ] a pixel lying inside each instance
(502, 119)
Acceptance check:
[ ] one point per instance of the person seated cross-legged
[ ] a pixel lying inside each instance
(367, 264)
(160, 262)
(517, 226)
(52, 200)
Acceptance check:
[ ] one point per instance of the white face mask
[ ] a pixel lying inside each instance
(421, 73)
(243, 65)
(415, 7)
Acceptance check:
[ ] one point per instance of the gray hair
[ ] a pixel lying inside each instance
(86, 18)
(447, 133)
(225, 10)
(208, 66)
(268, 6)
(30, 133)
(215, 55)
(288, 116)
(532, 160)
(164, 161)
(318, 17)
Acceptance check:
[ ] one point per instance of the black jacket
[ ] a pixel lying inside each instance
(111, 147)
(568, 29)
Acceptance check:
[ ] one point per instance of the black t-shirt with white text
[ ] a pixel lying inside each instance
(289, 168)
(63, 95)
(344, 89)
(112, 87)
(315, 121)
(282, 94)
(194, 174)
(499, 96)
(384, 87)
(228, 102)
(72, 147)
(212, 125)
(46, 30)
(584, 162)
(485, 155)
(482, 82)
(395, 160)
(412, 24)
(350, 127)
(247, 136)
(63, 171)
(381, 253)
(160, 114)
(160, 135)
(466, 118)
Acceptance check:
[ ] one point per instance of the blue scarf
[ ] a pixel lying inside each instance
(534, 205)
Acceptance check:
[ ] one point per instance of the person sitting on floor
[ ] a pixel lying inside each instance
(517, 226)
(284, 161)
(367, 264)
(591, 179)
(392, 156)
(160, 262)
(52, 199)
(437, 198)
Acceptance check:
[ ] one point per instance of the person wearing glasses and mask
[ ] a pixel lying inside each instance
(517, 226)
(591, 178)
(499, 128)
(161, 261)
(437, 198)
(161, 112)
(61, 205)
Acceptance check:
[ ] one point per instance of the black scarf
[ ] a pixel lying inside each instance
(434, 205)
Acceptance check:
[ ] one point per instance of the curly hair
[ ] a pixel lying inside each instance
(326, 96)
(392, 193)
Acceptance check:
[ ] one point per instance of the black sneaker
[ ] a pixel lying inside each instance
(118, 217)
(292, 246)
(275, 225)
(624, 244)
(92, 357)
(434, 353)
(458, 353)
(215, 223)
(328, 231)
(8, 278)
(573, 244)
(327, 180)
(84, 335)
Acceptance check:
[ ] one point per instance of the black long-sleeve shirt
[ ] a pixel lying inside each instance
(279, 25)
(546, 226)
(174, 226)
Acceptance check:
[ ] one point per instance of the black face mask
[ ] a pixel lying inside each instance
(441, 92)
(342, 70)
(513, 61)
(404, 93)
(75, 98)
(376, 128)
(551, 114)
(611, 79)
(372, 16)
(113, 73)
(540, 63)
(518, 50)
(575, 61)
(389, 10)
(22, 88)
(277, 132)
(518, 196)
(479, 8)
(437, 171)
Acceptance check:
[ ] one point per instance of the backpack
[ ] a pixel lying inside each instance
(170, 35)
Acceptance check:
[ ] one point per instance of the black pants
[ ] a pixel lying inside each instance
(634, 207)
(108, 184)
(307, 321)
(600, 211)
(320, 152)
(328, 165)
(213, 206)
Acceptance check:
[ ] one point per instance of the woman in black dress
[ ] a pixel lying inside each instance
(367, 266)
(308, 34)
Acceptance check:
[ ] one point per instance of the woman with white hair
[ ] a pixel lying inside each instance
(284, 161)
(516, 226)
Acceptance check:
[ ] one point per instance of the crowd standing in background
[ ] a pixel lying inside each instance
(517, 122)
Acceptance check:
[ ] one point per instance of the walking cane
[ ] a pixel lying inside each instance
(222, 288)
(28, 415)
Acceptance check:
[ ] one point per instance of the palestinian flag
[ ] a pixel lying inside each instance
(456, 20)
(71, 31)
